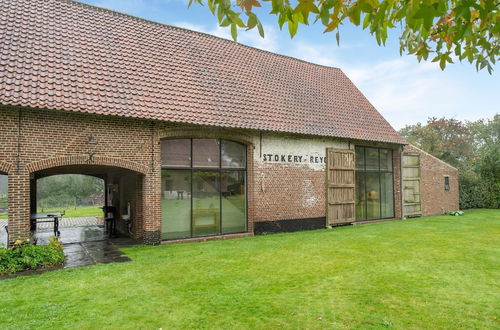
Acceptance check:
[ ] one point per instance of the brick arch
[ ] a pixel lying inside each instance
(5, 167)
(83, 160)
(204, 133)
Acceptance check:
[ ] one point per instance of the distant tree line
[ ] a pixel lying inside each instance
(69, 190)
(472, 147)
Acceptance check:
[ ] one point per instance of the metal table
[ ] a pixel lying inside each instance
(46, 217)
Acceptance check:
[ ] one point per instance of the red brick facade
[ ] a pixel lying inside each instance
(36, 143)
(435, 199)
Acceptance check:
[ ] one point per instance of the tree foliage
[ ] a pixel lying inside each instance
(67, 190)
(438, 29)
(472, 147)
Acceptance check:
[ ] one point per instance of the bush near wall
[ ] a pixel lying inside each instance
(26, 256)
(477, 193)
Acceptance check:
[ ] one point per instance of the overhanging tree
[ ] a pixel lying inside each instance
(429, 29)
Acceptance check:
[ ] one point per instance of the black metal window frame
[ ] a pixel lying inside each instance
(379, 171)
(218, 169)
(446, 183)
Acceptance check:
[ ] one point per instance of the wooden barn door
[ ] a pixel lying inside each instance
(412, 206)
(340, 185)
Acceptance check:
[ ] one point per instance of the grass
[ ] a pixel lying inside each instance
(75, 212)
(435, 273)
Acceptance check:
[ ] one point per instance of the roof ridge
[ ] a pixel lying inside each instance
(145, 20)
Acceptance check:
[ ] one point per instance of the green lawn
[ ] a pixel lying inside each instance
(436, 273)
(75, 212)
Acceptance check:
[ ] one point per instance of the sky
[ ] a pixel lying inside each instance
(403, 90)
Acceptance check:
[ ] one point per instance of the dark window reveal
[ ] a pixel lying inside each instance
(446, 183)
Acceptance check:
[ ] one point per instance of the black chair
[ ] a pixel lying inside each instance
(110, 220)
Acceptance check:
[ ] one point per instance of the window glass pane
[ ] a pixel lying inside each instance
(371, 159)
(176, 153)
(386, 160)
(360, 158)
(206, 203)
(233, 202)
(233, 154)
(206, 153)
(372, 196)
(360, 196)
(176, 203)
(386, 195)
(3, 197)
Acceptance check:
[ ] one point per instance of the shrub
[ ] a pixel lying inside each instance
(477, 192)
(23, 256)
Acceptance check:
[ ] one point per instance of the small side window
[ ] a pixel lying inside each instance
(446, 183)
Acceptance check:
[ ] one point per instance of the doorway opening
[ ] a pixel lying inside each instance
(81, 203)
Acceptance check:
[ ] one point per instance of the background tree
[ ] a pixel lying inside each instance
(472, 147)
(438, 29)
(68, 190)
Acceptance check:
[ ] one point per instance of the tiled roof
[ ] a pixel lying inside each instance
(64, 55)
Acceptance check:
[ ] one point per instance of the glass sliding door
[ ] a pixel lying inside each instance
(203, 187)
(374, 183)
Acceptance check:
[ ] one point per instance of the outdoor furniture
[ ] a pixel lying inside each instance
(110, 219)
(46, 218)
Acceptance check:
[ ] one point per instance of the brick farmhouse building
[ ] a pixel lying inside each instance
(199, 137)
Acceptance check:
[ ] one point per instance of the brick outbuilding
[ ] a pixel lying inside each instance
(198, 137)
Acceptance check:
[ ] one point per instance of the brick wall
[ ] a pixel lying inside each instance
(435, 199)
(282, 188)
(36, 140)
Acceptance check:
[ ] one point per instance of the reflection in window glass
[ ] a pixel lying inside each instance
(176, 203)
(372, 196)
(206, 203)
(233, 201)
(360, 196)
(385, 160)
(206, 198)
(206, 153)
(371, 159)
(386, 198)
(233, 154)
(3, 196)
(360, 158)
(176, 153)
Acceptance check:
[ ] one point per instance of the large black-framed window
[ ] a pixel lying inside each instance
(203, 187)
(374, 183)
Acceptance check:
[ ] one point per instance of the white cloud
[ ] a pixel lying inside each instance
(249, 38)
(319, 54)
(405, 92)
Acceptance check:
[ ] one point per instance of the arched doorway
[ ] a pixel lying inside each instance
(121, 196)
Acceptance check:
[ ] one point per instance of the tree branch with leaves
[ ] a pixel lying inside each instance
(437, 30)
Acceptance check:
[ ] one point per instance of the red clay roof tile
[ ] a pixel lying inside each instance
(65, 55)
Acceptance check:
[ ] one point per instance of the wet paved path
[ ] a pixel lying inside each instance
(83, 246)
(91, 253)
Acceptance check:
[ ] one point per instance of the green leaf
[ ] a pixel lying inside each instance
(354, 13)
(337, 37)
(366, 21)
(292, 27)
(234, 32)
(252, 20)
(260, 28)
